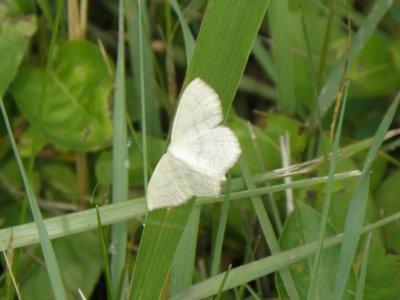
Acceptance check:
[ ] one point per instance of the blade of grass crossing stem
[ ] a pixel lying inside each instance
(221, 288)
(142, 58)
(119, 167)
(363, 271)
(48, 251)
(226, 35)
(314, 284)
(183, 264)
(105, 253)
(329, 90)
(278, 12)
(251, 271)
(219, 240)
(268, 231)
(187, 34)
(23, 235)
(356, 212)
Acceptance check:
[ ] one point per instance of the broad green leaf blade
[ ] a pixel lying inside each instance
(226, 38)
(280, 31)
(75, 110)
(13, 44)
(162, 232)
(120, 164)
(228, 50)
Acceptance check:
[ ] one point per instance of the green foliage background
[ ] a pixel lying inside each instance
(278, 66)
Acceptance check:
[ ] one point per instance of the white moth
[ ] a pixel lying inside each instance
(200, 153)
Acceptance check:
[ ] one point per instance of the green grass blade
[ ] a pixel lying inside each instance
(48, 251)
(268, 231)
(280, 22)
(264, 58)
(163, 230)
(225, 39)
(356, 211)
(120, 158)
(142, 89)
(251, 271)
(308, 48)
(329, 90)
(325, 45)
(271, 204)
(9, 294)
(363, 272)
(217, 250)
(222, 47)
(187, 34)
(312, 292)
(183, 265)
(221, 288)
(247, 272)
(105, 253)
(352, 233)
(140, 52)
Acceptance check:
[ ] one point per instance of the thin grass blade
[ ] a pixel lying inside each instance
(217, 250)
(280, 32)
(268, 231)
(313, 289)
(120, 159)
(356, 211)
(187, 34)
(363, 272)
(47, 248)
(251, 271)
(331, 87)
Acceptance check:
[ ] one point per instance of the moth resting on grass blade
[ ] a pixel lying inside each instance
(200, 153)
